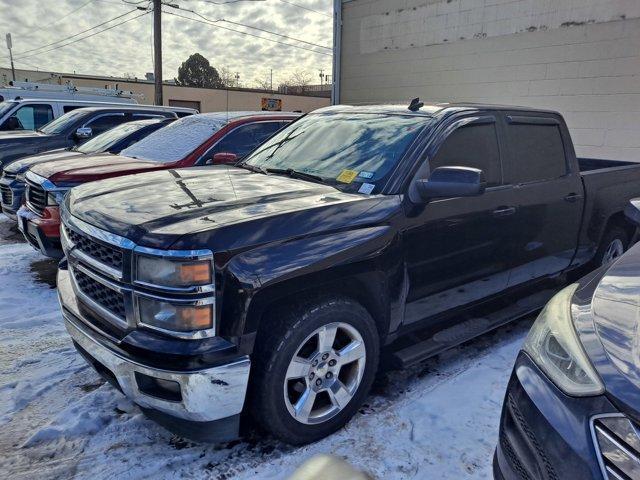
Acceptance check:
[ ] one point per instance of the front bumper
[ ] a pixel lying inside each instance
(545, 434)
(181, 400)
(42, 232)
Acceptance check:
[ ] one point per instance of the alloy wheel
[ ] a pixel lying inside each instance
(324, 373)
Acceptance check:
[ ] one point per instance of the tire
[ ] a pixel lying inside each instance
(296, 330)
(614, 243)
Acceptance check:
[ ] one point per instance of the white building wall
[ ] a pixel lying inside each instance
(581, 57)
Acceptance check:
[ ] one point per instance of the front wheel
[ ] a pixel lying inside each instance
(314, 369)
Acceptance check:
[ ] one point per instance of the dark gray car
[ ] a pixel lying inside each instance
(72, 129)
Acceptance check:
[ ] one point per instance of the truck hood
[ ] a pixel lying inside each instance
(87, 168)
(217, 207)
(16, 144)
(22, 165)
(615, 350)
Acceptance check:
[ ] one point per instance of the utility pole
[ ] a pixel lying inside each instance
(9, 45)
(271, 81)
(157, 51)
(322, 76)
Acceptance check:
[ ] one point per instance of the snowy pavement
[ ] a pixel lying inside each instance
(58, 419)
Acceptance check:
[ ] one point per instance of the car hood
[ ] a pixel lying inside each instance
(22, 165)
(87, 168)
(232, 206)
(613, 344)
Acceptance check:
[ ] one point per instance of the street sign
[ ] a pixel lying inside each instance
(272, 104)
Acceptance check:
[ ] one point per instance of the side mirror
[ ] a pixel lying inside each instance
(83, 133)
(449, 182)
(222, 158)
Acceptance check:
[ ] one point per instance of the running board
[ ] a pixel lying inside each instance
(469, 329)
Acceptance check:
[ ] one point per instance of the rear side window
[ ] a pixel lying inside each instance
(474, 146)
(245, 138)
(537, 153)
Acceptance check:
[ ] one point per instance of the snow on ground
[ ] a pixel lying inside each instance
(58, 419)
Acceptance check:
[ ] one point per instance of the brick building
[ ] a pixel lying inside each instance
(581, 57)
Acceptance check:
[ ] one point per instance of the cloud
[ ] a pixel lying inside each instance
(128, 48)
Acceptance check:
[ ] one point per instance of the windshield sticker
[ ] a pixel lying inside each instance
(366, 188)
(347, 176)
(365, 174)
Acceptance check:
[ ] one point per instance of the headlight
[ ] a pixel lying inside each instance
(173, 273)
(554, 346)
(176, 318)
(56, 197)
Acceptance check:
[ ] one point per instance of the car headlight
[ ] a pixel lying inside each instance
(554, 346)
(177, 318)
(172, 272)
(56, 197)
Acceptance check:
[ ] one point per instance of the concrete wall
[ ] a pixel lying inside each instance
(210, 100)
(581, 57)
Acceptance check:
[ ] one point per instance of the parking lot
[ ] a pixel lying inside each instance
(59, 419)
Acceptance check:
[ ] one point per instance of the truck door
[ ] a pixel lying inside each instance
(456, 249)
(549, 196)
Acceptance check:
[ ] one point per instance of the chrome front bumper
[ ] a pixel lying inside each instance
(205, 395)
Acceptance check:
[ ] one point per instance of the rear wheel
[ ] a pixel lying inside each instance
(314, 368)
(614, 243)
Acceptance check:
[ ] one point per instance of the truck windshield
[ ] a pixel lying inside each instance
(174, 142)
(345, 150)
(62, 123)
(108, 139)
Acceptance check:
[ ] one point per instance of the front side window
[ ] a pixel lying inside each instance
(245, 138)
(537, 153)
(345, 150)
(105, 122)
(30, 117)
(474, 146)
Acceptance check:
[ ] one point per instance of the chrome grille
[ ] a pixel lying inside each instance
(9, 175)
(36, 197)
(101, 294)
(105, 254)
(7, 196)
(618, 441)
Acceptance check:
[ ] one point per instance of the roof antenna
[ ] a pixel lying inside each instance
(416, 104)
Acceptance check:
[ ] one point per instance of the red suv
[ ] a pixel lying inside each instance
(204, 139)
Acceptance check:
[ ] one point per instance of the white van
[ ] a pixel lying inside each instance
(34, 113)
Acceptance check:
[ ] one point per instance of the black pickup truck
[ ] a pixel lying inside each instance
(272, 290)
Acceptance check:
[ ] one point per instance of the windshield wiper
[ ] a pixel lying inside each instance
(253, 168)
(297, 174)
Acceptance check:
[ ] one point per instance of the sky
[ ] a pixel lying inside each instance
(127, 49)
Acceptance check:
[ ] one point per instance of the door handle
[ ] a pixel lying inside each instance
(504, 211)
(572, 197)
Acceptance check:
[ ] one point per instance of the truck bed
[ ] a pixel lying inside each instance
(590, 164)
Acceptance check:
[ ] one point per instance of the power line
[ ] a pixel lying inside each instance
(247, 33)
(307, 8)
(250, 26)
(75, 35)
(87, 36)
(67, 14)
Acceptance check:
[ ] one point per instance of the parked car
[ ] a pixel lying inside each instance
(270, 287)
(196, 140)
(12, 184)
(73, 128)
(571, 409)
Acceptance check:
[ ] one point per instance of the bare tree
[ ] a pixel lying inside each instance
(264, 83)
(299, 78)
(228, 78)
